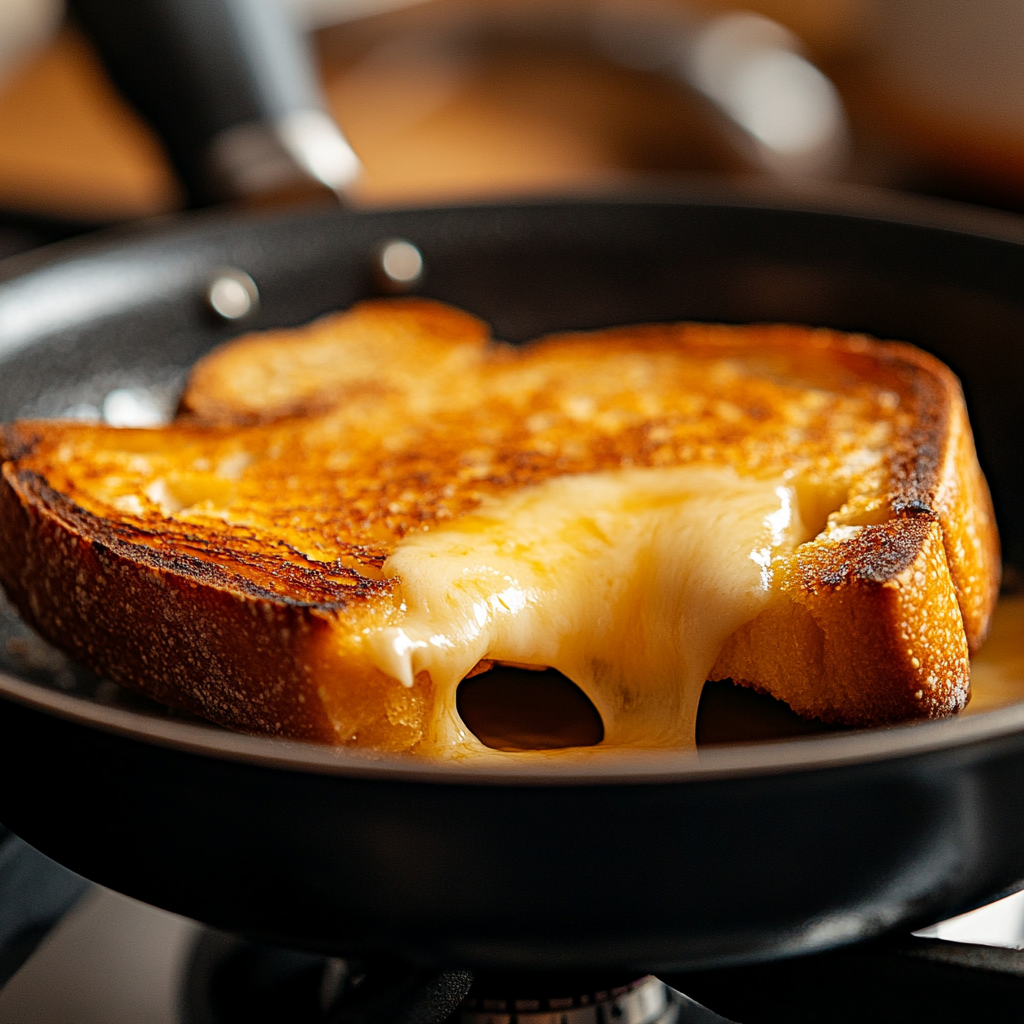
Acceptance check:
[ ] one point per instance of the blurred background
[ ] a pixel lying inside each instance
(468, 100)
(448, 100)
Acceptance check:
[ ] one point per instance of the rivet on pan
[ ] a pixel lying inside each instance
(232, 294)
(133, 407)
(399, 265)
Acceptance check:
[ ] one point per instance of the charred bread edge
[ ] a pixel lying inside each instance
(206, 640)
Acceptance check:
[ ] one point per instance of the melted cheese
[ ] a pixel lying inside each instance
(997, 670)
(627, 582)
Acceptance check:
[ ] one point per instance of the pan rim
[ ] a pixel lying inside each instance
(857, 202)
(634, 767)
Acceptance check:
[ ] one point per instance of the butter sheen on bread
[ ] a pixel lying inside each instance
(285, 558)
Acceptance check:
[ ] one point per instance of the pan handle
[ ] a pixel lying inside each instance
(229, 86)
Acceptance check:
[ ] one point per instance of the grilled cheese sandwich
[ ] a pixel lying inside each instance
(348, 519)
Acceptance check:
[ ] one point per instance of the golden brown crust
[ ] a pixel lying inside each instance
(135, 615)
(861, 633)
(259, 522)
(284, 373)
(186, 632)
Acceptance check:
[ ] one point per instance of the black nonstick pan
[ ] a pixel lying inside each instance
(738, 853)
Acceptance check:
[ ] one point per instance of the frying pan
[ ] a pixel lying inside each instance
(735, 854)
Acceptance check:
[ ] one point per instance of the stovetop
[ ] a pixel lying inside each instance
(113, 959)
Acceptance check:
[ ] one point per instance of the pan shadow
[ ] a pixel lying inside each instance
(516, 709)
(513, 710)
(737, 714)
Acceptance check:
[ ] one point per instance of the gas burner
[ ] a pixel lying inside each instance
(117, 959)
(586, 999)
(230, 982)
(907, 980)
(179, 971)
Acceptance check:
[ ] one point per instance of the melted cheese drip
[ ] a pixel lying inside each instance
(627, 582)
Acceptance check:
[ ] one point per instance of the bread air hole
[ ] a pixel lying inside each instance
(816, 501)
(514, 709)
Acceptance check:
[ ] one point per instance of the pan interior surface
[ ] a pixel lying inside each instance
(770, 840)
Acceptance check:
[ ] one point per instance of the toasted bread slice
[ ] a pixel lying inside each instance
(308, 551)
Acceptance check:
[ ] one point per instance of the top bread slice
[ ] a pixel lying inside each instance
(221, 563)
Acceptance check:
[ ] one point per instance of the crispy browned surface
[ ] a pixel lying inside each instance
(208, 563)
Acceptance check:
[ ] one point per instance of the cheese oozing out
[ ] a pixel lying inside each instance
(628, 582)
